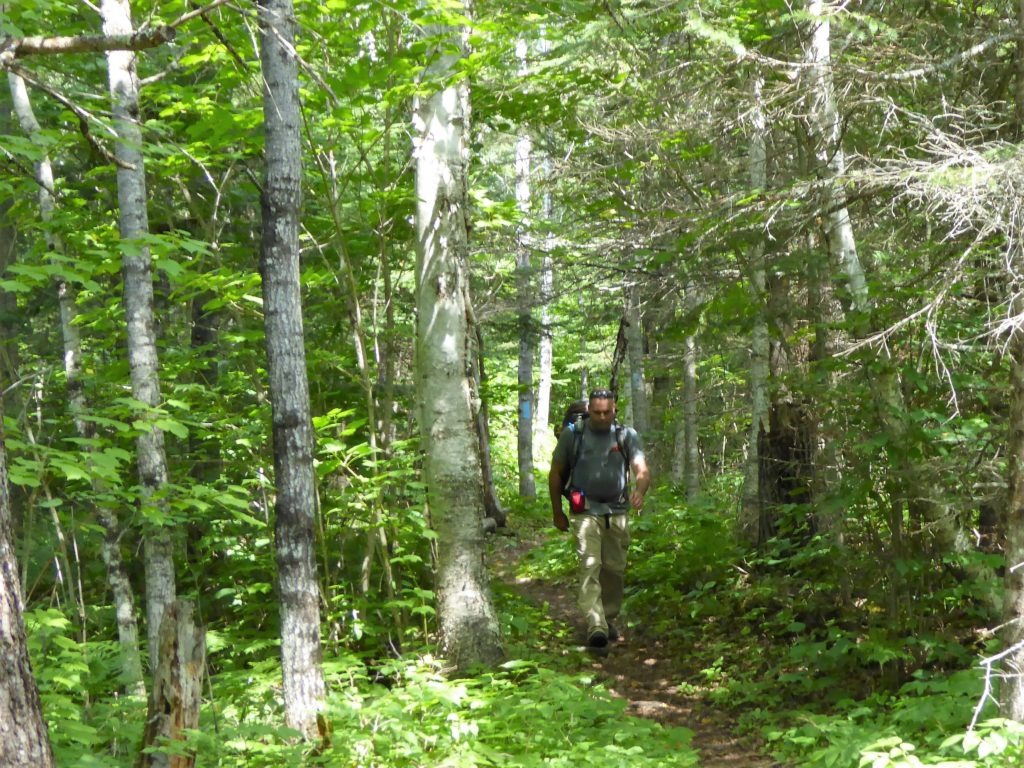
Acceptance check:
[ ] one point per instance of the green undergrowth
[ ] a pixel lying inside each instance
(540, 708)
(828, 656)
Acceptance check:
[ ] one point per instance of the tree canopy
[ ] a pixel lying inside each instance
(803, 219)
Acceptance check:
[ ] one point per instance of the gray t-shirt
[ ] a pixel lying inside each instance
(599, 469)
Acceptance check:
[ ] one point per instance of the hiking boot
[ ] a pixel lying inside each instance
(597, 639)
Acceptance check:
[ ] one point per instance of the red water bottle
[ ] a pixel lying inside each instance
(577, 501)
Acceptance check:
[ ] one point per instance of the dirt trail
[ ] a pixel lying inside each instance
(637, 668)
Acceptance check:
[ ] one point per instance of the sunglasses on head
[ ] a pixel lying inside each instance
(601, 394)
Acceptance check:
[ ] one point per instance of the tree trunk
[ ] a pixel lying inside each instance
(177, 691)
(493, 510)
(376, 537)
(1011, 697)
(524, 297)
(583, 352)
(1018, 85)
(466, 616)
(24, 741)
(826, 130)
(545, 356)
(757, 174)
(542, 416)
(133, 221)
(117, 576)
(690, 431)
(8, 255)
(295, 507)
(1011, 692)
(638, 398)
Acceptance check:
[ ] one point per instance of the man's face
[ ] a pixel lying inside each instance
(602, 413)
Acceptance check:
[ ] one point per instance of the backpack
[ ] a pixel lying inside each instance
(574, 421)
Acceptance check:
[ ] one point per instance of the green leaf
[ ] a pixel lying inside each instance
(173, 426)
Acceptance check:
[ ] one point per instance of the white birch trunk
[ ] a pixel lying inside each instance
(117, 576)
(295, 506)
(677, 472)
(829, 151)
(638, 401)
(827, 127)
(133, 221)
(466, 616)
(546, 356)
(690, 431)
(757, 175)
(524, 298)
(8, 256)
(542, 416)
(584, 371)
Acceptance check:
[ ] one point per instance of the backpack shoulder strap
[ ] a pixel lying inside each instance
(577, 444)
(620, 439)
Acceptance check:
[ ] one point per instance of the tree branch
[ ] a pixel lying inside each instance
(84, 117)
(12, 48)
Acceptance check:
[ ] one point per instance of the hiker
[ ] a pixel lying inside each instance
(591, 466)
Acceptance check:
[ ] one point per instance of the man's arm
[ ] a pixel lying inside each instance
(643, 481)
(558, 518)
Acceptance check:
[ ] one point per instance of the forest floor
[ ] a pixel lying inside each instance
(638, 667)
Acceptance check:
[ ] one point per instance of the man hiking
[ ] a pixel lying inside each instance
(590, 466)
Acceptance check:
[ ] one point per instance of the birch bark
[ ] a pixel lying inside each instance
(133, 222)
(757, 176)
(542, 416)
(8, 255)
(295, 505)
(117, 575)
(638, 399)
(524, 297)
(466, 616)
(545, 354)
(909, 489)
(690, 431)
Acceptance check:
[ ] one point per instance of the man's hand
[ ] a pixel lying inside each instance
(636, 498)
(559, 520)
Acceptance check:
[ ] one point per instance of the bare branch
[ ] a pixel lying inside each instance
(84, 117)
(950, 63)
(987, 694)
(197, 12)
(12, 48)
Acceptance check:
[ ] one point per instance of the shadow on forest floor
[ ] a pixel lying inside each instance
(638, 668)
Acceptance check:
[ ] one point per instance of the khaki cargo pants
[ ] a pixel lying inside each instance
(601, 543)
